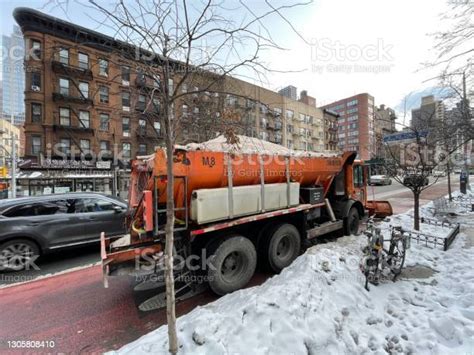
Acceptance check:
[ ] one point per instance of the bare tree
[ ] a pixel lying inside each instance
(194, 45)
(411, 162)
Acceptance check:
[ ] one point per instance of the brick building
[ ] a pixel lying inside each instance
(355, 124)
(83, 97)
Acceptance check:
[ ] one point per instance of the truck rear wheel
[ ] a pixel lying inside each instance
(231, 265)
(281, 247)
(351, 223)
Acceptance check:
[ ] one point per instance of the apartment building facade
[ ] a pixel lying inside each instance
(7, 132)
(355, 124)
(282, 120)
(83, 97)
(384, 124)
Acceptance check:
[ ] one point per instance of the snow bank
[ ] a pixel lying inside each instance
(250, 145)
(319, 305)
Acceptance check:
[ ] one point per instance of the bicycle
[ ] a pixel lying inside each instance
(379, 262)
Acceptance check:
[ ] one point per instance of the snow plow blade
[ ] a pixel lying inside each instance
(380, 209)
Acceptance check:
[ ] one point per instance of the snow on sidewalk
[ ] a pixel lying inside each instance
(319, 305)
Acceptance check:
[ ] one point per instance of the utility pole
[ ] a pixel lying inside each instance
(13, 156)
(467, 121)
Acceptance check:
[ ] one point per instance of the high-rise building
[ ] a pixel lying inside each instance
(289, 91)
(430, 113)
(1, 97)
(13, 75)
(355, 124)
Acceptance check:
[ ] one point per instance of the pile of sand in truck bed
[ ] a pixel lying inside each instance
(250, 145)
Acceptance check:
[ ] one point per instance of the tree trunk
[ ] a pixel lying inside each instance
(416, 214)
(169, 229)
(448, 168)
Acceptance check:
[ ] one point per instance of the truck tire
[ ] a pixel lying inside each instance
(17, 254)
(281, 246)
(351, 222)
(231, 265)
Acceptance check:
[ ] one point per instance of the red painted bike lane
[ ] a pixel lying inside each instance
(76, 312)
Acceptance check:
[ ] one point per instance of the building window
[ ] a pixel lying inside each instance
(142, 149)
(64, 116)
(84, 89)
(142, 126)
(85, 145)
(104, 122)
(156, 81)
(104, 146)
(156, 104)
(126, 150)
(65, 145)
(36, 81)
(84, 119)
(170, 86)
(103, 67)
(64, 86)
(126, 101)
(64, 56)
(289, 114)
(141, 105)
(36, 49)
(83, 60)
(36, 113)
(35, 145)
(126, 126)
(157, 127)
(104, 94)
(126, 75)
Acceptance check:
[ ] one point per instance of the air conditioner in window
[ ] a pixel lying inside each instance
(35, 88)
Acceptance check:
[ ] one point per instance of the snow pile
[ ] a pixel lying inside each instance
(250, 145)
(319, 305)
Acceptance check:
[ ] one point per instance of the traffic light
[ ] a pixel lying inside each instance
(3, 171)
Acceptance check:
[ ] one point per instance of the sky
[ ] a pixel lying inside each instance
(336, 48)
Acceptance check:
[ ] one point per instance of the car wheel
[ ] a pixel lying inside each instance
(231, 265)
(390, 182)
(18, 254)
(281, 247)
(351, 223)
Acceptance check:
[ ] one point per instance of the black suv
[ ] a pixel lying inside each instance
(32, 226)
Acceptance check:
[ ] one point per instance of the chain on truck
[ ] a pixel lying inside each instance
(231, 211)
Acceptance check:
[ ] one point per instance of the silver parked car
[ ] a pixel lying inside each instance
(380, 180)
(32, 226)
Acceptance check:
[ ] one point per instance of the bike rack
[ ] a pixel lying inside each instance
(435, 241)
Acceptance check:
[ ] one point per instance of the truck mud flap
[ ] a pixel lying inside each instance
(119, 256)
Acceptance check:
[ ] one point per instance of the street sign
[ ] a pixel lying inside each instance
(405, 137)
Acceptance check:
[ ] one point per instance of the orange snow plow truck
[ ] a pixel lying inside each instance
(233, 211)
